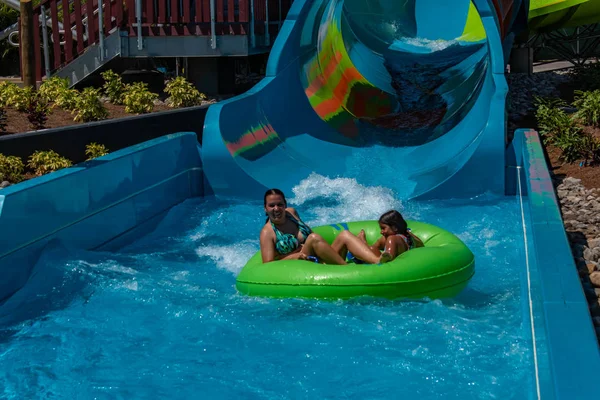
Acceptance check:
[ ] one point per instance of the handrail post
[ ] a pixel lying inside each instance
(101, 28)
(138, 12)
(252, 36)
(267, 35)
(213, 34)
(45, 41)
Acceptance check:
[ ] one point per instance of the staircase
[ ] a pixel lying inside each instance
(77, 37)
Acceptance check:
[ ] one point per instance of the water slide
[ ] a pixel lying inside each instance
(356, 86)
(552, 14)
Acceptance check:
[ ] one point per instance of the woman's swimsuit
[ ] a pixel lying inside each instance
(352, 258)
(285, 243)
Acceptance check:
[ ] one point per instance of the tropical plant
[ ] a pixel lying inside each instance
(53, 88)
(588, 107)
(113, 87)
(43, 162)
(183, 94)
(138, 99)
(94, 150)
(11, 168)
(37, 112)
(89, 107)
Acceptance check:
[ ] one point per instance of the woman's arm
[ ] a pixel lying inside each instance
(267, 245)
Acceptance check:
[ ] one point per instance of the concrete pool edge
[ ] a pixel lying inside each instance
(109, 196)
(560, 320)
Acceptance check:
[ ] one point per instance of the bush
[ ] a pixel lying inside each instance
(590, 149)
(94, 150)
(43, 162)
(550, 118)
(53, 88)
(113, 86)
(570, 143)
(67, 100)
(37, 112)
(138, 99)
(183, 94)
(11, 168)
(3, 120)
(89, 107)
(10, 94)
(588, 107)
(587, 75)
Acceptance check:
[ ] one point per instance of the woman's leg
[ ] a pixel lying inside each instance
(315, 245)
(346, 241)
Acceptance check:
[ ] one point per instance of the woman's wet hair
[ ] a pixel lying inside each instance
(396, 221)
(271, 192)
(274, 192)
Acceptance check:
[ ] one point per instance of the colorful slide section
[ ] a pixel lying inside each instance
(355, 88)
(547, 15)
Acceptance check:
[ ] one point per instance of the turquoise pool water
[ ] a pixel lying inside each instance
(161, 317)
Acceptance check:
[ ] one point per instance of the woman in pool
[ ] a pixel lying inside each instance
(286, 237)
(395, 239)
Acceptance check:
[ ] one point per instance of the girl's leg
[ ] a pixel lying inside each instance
(315, 245)
(346, 241)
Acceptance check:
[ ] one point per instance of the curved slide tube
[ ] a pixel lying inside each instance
(361, 85)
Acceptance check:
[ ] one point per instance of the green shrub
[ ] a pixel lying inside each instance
(113, 86)
(43, 162)
(11, 168)
(138, 99)
(94, 150)
(89, 107)
(588, 107)
(3, 120)
(183, 94)
(13, 96)
(550, 118)
(590, 149)
(67, 100)
(37, 112)
(53, 88)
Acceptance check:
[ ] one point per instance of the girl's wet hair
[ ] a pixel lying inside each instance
(274, 192)
(396, 221)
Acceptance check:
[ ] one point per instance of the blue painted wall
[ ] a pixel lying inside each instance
(95, 203)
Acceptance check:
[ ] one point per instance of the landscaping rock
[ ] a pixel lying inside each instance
(4, 184)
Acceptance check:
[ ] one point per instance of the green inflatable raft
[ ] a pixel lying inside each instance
(440, 269)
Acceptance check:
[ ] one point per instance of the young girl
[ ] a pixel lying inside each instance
(395, 239)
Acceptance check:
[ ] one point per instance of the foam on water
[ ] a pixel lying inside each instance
(161, 318)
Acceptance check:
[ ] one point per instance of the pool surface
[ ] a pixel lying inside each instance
(161, 317)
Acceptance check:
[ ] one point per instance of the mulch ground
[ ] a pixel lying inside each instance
(17, 122)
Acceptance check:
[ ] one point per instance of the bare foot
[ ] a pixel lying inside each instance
(362, 236)
(385, 258)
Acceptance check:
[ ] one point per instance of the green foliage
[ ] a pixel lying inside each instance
(9, 55)
(94, 150)
(569, 141)
(43, 162)
(11, 168)
(590, 149)
(588, 107)
(138, 99)
(113, 86)
(9, 94)
(53, 88)
(89, 107)
(67, 99)
(550, 118)
(183, 94)
(22, 99)
(3, 122)
(37, 112)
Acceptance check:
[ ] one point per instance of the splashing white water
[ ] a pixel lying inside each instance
(423, 44)
(229, 257)
(347, 199)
